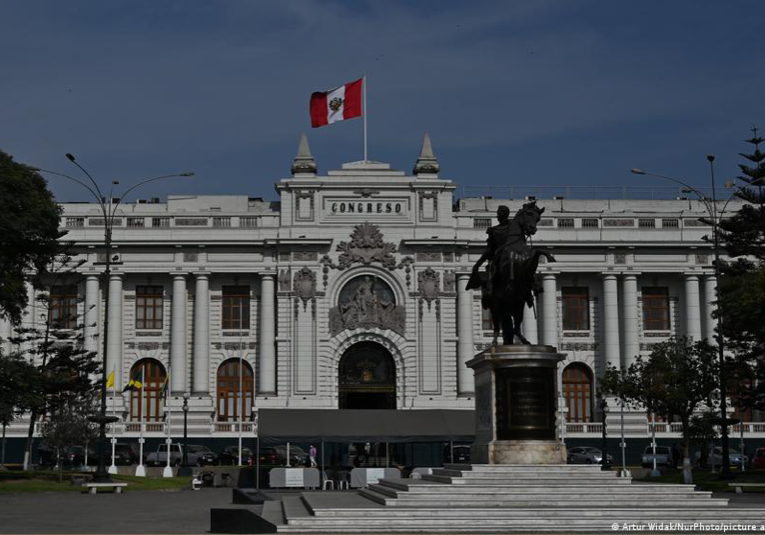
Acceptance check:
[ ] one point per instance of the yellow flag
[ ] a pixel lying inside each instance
(110, 380)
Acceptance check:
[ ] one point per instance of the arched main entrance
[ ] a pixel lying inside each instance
(577, 389)
(232, 406)
(367, 377)
(151, 374)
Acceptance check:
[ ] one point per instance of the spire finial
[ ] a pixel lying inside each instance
(304, 164)
(427, 164)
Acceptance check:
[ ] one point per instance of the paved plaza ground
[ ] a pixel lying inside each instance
(150, 511)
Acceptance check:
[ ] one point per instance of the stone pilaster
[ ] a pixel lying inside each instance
(630, 319)
(178, 334)
(267, 375)
(549, 310)
(692, 307)
(91, 316)
(114, 343)
(710, 296)
(202, 334)
(611, 320)
(465, 347)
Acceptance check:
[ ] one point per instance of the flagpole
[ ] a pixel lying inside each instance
(113, 467)
(364, 83)
(240, 409)
(140, 470)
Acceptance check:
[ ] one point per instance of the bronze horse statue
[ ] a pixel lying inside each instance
(509, 283)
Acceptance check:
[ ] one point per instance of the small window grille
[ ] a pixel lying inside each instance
(75, 222)
(670, 223)
(248, 222)
(589, 222)
(160, 222)
(646, 223)
(135, 222)
(481, 223)
(99, 222)
(221, 221)
(566, 223)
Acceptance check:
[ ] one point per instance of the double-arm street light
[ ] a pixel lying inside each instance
(711, 207)
(108, 210)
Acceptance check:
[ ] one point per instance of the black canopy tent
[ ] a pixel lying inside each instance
(277, 426)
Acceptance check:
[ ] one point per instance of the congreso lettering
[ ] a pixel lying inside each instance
(367, 207)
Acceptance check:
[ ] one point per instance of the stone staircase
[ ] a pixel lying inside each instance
(503, 498)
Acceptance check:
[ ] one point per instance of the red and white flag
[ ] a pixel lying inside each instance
(337, 104)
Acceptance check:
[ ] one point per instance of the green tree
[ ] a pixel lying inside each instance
(742, 284)
(678, 378)
(29, 233)
(68, 426)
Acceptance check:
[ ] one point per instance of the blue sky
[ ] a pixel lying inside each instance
(541, 92)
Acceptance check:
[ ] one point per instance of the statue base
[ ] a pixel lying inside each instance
(516, 406)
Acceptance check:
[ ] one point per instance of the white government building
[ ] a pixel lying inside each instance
(350, 292)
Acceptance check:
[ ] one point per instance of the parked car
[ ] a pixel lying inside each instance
(663, 456)
(587, 455)
(230, 455)
(202, 455)
(125, 454)
(736, 458)
(76, 456)
(759, 459)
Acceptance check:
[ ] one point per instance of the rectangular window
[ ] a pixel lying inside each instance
(248, 222)
(75, 222)
(670, 223)
(236, 307)
(63, 307)
(646, 223)
(656, 309)
(566, 222)
(589, 222)
(135, 222)
(148, 307)
(160, 222)
(221, 221)
(486, 324)
(576, 308)
(481, 222)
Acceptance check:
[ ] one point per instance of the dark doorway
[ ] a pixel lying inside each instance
(367, 378)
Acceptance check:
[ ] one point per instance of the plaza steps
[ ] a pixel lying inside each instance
(501, 499)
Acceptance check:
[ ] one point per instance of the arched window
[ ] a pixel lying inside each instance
(577, 389)
(367, 377)
(235, 391)
(152, 377)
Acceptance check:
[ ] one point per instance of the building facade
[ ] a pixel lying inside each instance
(350, 292)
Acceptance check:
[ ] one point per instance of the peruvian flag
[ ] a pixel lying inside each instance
(337, 104)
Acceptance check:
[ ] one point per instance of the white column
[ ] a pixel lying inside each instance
(465, 347)
(692, 307)
(114, 343)
(549, 310)
(5, 334)
(202, 334)
(529, 326)
(611, 320)
(631, 334)
(710, 296)
(178, 334)
(29, 317)
(91, 316)
(267, 375)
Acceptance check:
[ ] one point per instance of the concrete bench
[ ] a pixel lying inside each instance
(93, 487)
(739, 486)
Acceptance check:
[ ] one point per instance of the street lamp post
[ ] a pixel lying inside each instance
(108, 211)
(623, 445)
(711, 209)
(604, 449)
(185, 469)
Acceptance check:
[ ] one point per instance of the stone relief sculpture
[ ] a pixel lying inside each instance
(366, 302)
(428, 282)
(304, 284)
(366, 246)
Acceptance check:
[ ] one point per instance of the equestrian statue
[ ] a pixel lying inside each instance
(509, 282)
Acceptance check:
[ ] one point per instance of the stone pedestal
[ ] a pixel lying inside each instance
(515, 397)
